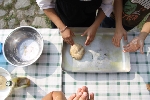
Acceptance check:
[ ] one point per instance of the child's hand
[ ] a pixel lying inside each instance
(136, 44)
(67, 36)
(90, 32)
(119, 33)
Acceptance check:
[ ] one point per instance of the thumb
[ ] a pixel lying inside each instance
(141, 49)
(91, 96)
(83, 34)
(125, 37)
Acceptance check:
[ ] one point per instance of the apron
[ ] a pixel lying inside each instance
(75, 13)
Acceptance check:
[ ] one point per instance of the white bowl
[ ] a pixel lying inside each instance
(6, 92)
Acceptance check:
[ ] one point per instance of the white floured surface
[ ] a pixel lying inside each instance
(28, 50)
(100, 56)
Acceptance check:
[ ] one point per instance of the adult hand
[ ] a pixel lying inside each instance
(136, 44)
(119, 33)
(82, 94)
(90, 32)
(67, 36)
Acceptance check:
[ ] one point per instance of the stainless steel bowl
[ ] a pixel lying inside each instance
(23, 46)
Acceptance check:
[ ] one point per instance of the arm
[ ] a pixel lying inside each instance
(138, 42)
(104, 10)
(51, 14)
(118, 12)
(119, 31)
(48, 8)
(145, 29)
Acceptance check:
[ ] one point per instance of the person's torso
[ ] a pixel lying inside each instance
(134, 12)
(76, 11)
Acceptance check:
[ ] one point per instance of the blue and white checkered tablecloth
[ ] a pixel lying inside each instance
(116, 86)
(45, 73)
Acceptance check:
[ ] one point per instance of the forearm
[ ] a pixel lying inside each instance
(145, 29)
(118, 12)
(54, 18)
(99, 18)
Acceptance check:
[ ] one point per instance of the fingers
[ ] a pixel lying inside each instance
(78, 95)
(88, 40)
(126, 46)
(85, 89)
(84, 34)
(72, 34)
(72, 97)
(69, 41)
(141, 49)
(125, 36)
(116, 42)
(130, 48)
(84, 96)
(79, 90)
(91, 96)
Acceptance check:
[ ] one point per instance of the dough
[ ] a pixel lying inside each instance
(2, 82)
(77, 51)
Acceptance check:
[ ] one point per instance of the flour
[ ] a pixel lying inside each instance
(28, 50)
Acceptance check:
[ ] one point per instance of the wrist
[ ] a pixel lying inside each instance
(119, 25)
(143, 35)
(63, 29)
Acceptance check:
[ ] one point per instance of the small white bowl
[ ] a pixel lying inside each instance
(6, 92)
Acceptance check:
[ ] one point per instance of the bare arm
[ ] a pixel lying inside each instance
(145, 29)
(91, 31)
(138, 42)
(118, 12)
(54, 17)
(67, 34)
(99, 18)
(119, 31)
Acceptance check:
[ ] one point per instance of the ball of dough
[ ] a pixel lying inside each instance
(77, 51)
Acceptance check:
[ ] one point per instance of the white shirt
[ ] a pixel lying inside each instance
(106, 6)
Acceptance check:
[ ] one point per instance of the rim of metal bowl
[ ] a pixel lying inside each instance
(38, 54)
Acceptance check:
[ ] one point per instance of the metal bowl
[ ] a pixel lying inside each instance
(23, 46)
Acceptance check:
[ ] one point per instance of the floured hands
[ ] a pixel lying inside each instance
(136, 44)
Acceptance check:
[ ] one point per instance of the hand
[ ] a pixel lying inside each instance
(119, 33)
(90, 32)
(135, 44)
(82, 94)
(55, 95)
(67, 36)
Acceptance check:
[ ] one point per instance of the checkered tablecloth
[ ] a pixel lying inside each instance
(45, 73)
(116, 86)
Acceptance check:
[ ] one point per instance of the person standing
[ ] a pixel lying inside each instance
(126, 15)
(75, 13)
